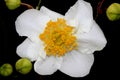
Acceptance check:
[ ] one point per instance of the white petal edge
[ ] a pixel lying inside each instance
(52, 14)
(31, 23)
(76, 64)
(80, 15)
(92, 41)
(30, 50)
(47, 66)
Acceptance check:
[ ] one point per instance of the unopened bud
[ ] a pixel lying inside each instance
(12, 4)
(113, 11)
(6, 69)
(23, 66)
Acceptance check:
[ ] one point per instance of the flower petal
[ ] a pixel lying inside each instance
(46, 66)
(53, 15)
(76, 64)
(30, 50)
(91, 41)
(31, 23)
(80, 15)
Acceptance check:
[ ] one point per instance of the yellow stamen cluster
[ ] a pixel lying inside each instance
(58, 38)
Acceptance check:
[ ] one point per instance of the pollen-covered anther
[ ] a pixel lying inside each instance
(58, 38)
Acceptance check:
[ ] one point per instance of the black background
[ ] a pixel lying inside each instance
(106, 63)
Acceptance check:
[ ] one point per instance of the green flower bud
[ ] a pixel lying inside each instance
(113, 12)
(23, 66)
(6, 69)
(12, 4)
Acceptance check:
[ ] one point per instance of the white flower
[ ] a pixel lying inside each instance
(68, 47)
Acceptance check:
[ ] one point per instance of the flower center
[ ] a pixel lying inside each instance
(58, 38)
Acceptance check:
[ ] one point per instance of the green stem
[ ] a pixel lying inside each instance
(38, 6)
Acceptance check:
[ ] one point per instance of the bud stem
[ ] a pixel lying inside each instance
(27, 5)
(99, 10)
